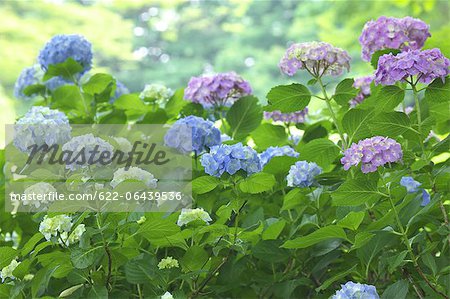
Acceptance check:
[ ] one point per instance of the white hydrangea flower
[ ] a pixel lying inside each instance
(133, 173)
(75, 235)
(123, 144)
(189, 215)
(168, 263)
(167, 295)
(50, 227)
(38, 188)
(8, 270)
(141, 220)
(156, 92)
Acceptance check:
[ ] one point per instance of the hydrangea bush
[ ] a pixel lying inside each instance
(350, 201)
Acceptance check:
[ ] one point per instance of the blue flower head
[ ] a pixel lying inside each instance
(302, 174)
(61, 47)
(410, 184)
(352, 290)
(29, 76)
(192, 133)
(275, 151)
(231, 159)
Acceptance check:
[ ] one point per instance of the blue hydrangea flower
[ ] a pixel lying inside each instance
(302, 174)
(29, 76)
(425, 198)
(192, 133)
(231, 159)
(39, 126)
(412, 186)
(352, 290)
(61, 47)
(275, 151)
(56, 82)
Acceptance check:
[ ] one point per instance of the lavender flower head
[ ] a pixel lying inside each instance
(372, 153)
(231, 159)
(29, 76)
(192, 133)
(363, 84)
(39, 126)
(302, 174)
(392, 33)
(61, 47)
(319, 58)
(352, 290)
(427, 65)
(221, 89)
(293, 117)
(275, 151)
(412, 186)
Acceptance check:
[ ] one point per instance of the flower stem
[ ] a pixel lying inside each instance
(419, 115)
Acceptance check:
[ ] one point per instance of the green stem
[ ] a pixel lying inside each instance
(419, 116)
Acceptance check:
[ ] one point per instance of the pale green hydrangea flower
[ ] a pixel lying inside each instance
(167, 295)
(157, 92)
(8, 270)
(38, 188)
(189, 215)
(57, 228)
(141, 220)
(168, 263)
(74, 236)
(133, 173)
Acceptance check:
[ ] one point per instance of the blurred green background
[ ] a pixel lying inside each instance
(168, 41)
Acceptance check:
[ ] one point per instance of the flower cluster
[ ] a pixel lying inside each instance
(62, 47)
(352, 290)
(57, 229)
(363, 84)
(190, 215)
(371, 153)
(319, 58)
(275, 151)
(38, 188)
(392, 33)
(292, 117)
(192, 133)
(167, 295)
(39, 126)
(231, 159)
(168, 263)
(221, 89)
(302, 174)
(412, 186)
(86, 148)
(7, 272)
(427, 65)
(29, 76)
(156, 92)
(133, 173)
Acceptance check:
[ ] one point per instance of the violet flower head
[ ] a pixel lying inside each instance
(393, 33)
(363, 84)
(221, 89)
(319, 58)
(372, 153)
(292, 117)
(426, 65)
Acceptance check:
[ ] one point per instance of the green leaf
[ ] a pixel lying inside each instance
(131, 103)
(69, 97)
(352, 220)
(194, 258)
(67, 69)
(192, 109)
(279, 165)
(31, 90)
(141, 269)
(244, 116)
(31, 243)
(294, 198)
(257, 183)
(40, 281)
(273, 230)
(176, 103)
(336, 277)
(391, 124)
(396, 260)
(7, 255)
(430, 262)
(154, 117)
(288, 98)
(322, 234)
(114, 117)
(269, 135)
(83, 258)
(398, 290)
(98, 83)
(158, 228)
(388, 98)
(379, 53)
(356, 124)
(204, 184)
(321, 151)
(69, 291)
(345, 92)
(355, 193)
(361, 239)
(270, 251)
(438, 91)
(98, 292)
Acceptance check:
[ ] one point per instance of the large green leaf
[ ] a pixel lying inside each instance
(258, 183)
(131, 103)
(7, 255)
(194, 258)
(322, 234)
(98, 83)
(388, 98)
(356, 124)
(345, 92)
(352, 220)
(158, 228)
(355, 193)
(244, 116)
(31, 243)
(270, 251)
(69, 97)
(288, 98)
(204, 184)
(390, 124)
(438, 91)
(398, 290)
(83, 258)
(321, 151)
(269, 135)
(67, 69)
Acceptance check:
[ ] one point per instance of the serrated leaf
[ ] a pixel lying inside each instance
(356, 124)
(98, 83)
(391, 124)
(257, 183)
(288, 98)
(158, 228)
(204, 184)
(67, 69)
(322, 234)
(321, 151)
(194, 258)
(345, 92)
(438, 91)
(269, 135)
(83, 258)
(244, 116)
(352, 220)
(355, 193)
(388, 98)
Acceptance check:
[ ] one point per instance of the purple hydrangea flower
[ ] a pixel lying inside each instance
(61, 47)
(363, 84)
(392, 33)
(231, 159)
(352, 290)
(221, 89)
(319, 58)
(427, 65)
(293, 117)
(372, 153)
(29, 76)
(275, 151)
(302, 174)
(192, 133)
(412, 186)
